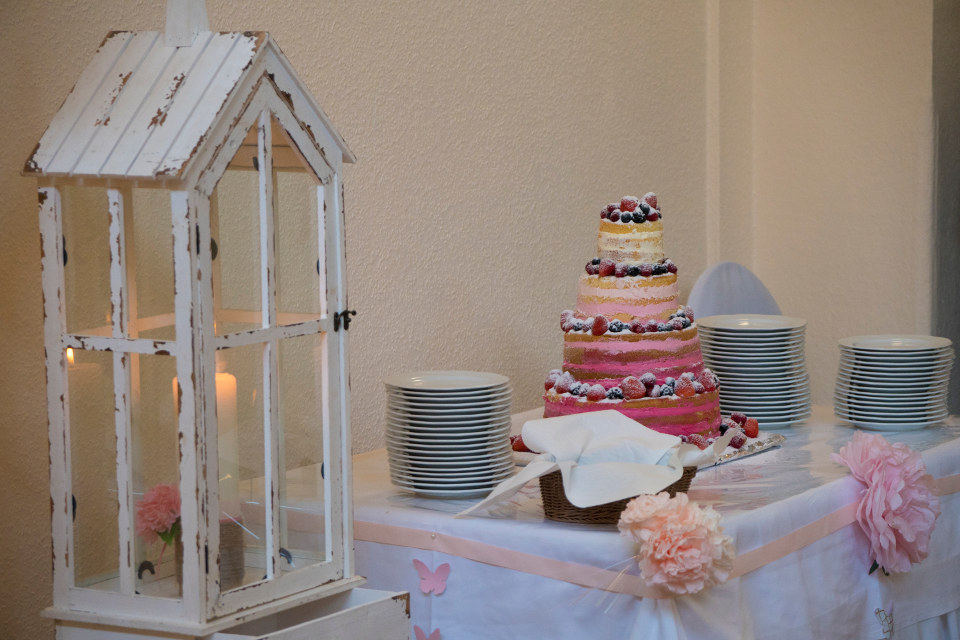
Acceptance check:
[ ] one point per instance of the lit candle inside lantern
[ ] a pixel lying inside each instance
(228, 446)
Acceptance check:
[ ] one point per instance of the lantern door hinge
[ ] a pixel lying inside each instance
(343, 317)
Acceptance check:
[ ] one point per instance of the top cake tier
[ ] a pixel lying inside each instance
(632, 243)
(631, 231)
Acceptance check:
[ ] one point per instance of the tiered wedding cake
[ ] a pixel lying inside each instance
(629, 345)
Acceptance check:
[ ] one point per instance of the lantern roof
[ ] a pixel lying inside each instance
(146, 110)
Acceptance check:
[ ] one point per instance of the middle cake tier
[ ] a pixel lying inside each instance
(610, 357)
(647, 298)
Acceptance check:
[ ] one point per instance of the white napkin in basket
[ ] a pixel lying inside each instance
(603, 456)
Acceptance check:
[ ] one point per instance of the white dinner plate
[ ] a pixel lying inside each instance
(436, 433)
(871, 416)
(776, 384)
(895, 342)
(894, 411)
(749, 380)
(751, 322)
(454, 411)
(866, 396)
(474, 449)
(796, 353)
(891, 425)
(741, 362)
(434, 400)
(450, 474)
(900, 356)
(896, 426)
(759, 400)
(439, 421)
(405, 451)
(424, 436)
(895, 369)
(880, 380)
(452, 393)
(910, 367)
(452, 494)
(446, 381)
(764, 416)
(452, 466)
(420, 485)
(758, 342)
(447, 410)
(767, 403)
(781, 424)
(775, 422)
(789, 369)
(487, 455)
(446, 474)
(727, 407)
(709, 342)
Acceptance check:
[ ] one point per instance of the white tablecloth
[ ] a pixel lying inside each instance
(819, 591)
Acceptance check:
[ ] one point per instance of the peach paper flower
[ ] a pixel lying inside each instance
(158, 513)
(897, 509)
(679, 545)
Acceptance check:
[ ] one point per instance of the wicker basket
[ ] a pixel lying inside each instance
(557, 507)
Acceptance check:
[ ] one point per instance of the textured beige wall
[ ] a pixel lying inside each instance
(793, 137)
(489, 135)
(842, 169)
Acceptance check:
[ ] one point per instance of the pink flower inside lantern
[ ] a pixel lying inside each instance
(158, 514)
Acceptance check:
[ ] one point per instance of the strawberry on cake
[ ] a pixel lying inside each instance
(628, 345)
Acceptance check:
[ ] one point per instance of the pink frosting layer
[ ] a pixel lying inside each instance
(616, 356)
(657, 301)
(614, 343)
(618, 371)
(697, 415)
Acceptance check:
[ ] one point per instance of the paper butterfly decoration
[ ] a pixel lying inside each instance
(886, 623)
(435, 581)
(422, 635)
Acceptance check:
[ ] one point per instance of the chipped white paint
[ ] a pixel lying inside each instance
(148, 114)
(54, 326)
(143, 109)
(120, 314)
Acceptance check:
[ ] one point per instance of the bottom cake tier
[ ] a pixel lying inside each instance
(675, 415)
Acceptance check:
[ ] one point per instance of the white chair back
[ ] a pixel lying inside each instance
(730, 288)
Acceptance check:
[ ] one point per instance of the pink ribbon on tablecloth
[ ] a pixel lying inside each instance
(605, 579)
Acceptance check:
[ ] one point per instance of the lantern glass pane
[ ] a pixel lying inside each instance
(243, 515)
(150, 265)
(298, 218)
(93, 465)
(303, 413)
(86, 272)
(154, 433)
(235, 228)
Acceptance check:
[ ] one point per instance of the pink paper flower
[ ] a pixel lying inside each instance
(897, 509)
(679, 545)
(158, 513)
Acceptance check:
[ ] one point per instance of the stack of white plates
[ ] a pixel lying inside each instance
(448, 432)
(760, 362)
(893, 382)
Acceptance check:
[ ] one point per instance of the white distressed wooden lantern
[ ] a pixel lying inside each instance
(194, 318)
